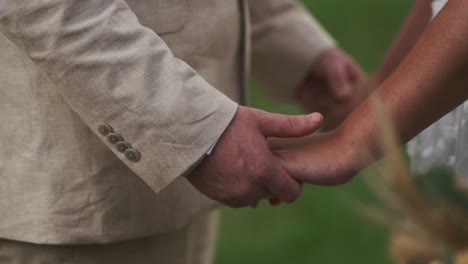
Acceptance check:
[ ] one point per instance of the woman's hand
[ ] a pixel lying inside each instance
(324, 159)
(430, 82)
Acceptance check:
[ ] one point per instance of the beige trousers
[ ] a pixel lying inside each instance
(194, 244)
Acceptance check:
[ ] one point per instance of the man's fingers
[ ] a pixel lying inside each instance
(277, 125)
(275, 201)
(282, 186)
(355, 74)
(338, 80)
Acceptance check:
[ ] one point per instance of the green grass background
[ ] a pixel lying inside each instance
(322, 226)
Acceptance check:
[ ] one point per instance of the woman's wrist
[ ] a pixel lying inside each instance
(359, 138)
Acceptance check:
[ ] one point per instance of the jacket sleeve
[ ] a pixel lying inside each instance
(114, 71)
(286, 40)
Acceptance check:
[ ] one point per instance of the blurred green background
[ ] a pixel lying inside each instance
(322, 226)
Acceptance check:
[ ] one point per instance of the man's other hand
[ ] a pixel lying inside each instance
(332, 87)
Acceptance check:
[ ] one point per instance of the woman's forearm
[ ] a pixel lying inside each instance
(415, 24)
(430, 82)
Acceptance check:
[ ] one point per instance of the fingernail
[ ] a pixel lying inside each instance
(316, 117)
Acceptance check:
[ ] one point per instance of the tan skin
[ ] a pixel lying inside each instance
(331, 89)
(415, 24)
(431, 81)
(242, 170)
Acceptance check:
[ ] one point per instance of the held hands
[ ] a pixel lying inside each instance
(335, 88)
(331, 158)
(242, 170)
(326, 159)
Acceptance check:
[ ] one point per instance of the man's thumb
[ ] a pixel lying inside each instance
(277, 125)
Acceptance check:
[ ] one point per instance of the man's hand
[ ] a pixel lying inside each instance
(242, 170)
(333, 88)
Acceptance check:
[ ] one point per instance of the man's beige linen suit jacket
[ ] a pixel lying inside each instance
(106, 104)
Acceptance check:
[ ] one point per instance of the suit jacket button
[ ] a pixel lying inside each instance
(132, 155)
(113, 138)
(122, 146)
(104, 129)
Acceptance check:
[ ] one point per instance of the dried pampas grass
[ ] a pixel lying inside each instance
(428, 225)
